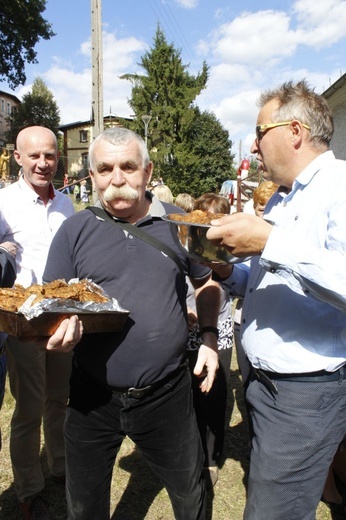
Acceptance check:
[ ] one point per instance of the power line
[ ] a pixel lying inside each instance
(172, 28)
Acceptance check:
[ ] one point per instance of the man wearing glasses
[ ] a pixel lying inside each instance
(294, 312)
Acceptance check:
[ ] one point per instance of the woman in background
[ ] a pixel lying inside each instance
(185, 201)
(162, 192)
(211, 408)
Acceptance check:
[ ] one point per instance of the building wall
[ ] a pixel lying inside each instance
(77, 138)
(336, 98)
(8, 104)
(76, 143)
(338, 142)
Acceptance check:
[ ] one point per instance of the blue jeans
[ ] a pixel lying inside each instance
(162, 425)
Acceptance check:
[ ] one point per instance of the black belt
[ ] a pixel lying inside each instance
(140, 393)
(267, 377)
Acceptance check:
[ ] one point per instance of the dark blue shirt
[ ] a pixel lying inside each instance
(143, 280)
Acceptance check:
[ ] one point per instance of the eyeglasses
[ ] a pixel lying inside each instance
(262, 129)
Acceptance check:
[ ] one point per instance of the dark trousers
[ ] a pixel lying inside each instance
(211, 408)
(3, 371)
(2, 381)
(164, 428)
(296, 434)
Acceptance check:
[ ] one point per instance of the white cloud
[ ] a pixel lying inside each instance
(237, 113)
(267, 37)
(72, 90)
(235, 76)
(320, 23)
(254, 37)
(188, 4)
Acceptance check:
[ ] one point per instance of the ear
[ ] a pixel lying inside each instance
(149, 171)
(297, 133)
(297, 128)
(16, 155)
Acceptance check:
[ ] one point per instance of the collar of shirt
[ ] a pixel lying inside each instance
(30, 192)
(157, 209)
(310, 171)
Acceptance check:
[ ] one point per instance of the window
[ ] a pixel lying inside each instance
(83, 136)
(2, 105)
(85, 161)
(9, 109)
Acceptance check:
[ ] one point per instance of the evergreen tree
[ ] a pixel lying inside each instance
(205, 157)
(21, 27)
(167, 92)
(38, 107)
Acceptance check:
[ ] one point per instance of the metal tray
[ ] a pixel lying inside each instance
(192, 237)
(45, 324)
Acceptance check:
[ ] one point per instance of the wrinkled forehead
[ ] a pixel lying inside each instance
(116, 153)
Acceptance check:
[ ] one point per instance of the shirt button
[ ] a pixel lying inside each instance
(273, 270)
(130, 237)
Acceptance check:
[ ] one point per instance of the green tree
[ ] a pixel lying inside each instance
(204, 160)
(38, 107)
(21, 27)
(167, 92)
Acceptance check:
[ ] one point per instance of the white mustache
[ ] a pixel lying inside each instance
(124, 192)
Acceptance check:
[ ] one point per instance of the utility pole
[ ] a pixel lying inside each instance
(97, 67)
(239, 180)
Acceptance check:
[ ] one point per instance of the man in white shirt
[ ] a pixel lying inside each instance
(294, 312)
(31, 211)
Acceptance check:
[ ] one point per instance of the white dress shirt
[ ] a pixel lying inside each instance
(294, 312)
(25, 220)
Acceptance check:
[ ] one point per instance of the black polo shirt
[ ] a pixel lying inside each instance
(143, 280)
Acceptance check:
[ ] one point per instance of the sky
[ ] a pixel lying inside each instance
(248, 45)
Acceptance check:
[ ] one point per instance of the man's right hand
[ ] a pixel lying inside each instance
(242, 234)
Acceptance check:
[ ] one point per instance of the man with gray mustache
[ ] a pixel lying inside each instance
(134, 382)
(125, 192)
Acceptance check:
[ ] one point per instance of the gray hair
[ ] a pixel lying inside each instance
(118, 135)
(298, 101)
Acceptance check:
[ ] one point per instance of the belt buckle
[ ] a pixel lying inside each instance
(139, 393)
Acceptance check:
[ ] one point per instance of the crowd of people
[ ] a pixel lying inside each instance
(163, 379)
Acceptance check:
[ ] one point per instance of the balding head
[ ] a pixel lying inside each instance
(37, 154)
(36, 133)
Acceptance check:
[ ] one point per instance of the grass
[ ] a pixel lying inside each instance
(136, 493)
